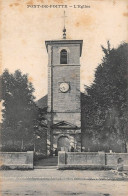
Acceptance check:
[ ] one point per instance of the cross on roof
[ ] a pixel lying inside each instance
(64, 30)
(64, 16)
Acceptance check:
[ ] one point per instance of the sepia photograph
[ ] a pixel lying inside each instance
(64, 97)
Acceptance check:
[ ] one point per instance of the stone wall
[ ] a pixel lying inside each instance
(112, 158)
(92, 159)
(85, 158)
(16, 160)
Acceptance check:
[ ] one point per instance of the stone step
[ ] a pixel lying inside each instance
(45, 167)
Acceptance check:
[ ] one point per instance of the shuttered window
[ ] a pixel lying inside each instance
(63, 57)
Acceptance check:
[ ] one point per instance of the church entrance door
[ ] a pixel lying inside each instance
(63, 144)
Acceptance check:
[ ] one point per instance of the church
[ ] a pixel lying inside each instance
(64, 97)
(64, 127)
(63, 104)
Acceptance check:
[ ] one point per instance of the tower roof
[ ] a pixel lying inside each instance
(64, 41)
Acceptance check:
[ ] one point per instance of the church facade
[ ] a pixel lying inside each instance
(64, 101)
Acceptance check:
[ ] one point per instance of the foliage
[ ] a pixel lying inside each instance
(40, 131)
(19, 110)
(104, 106)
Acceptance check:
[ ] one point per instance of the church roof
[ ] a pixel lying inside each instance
(42, 102)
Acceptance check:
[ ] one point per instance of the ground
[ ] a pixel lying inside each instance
(52, 182)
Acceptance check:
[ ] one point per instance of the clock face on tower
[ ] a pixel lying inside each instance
(64, 87)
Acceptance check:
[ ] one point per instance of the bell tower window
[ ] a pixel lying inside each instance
(63, 56)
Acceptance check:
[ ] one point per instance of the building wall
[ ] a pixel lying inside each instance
(49, 78)
(74, 137)
(70, 101)
(73, 53)
(64, 106)
(74, 118)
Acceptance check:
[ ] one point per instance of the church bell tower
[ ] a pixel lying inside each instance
(64, 100)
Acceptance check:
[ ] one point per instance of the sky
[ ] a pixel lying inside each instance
(24, 30)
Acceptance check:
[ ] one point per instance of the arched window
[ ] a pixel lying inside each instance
(63, 56)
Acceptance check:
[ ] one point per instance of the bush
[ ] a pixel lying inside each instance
(15, 148)
(10, 148)
(39, 156)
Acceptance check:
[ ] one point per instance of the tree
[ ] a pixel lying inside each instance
(19, 110)
(40, 131)
(105, 105)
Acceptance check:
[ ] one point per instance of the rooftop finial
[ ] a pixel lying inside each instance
(64, 29)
